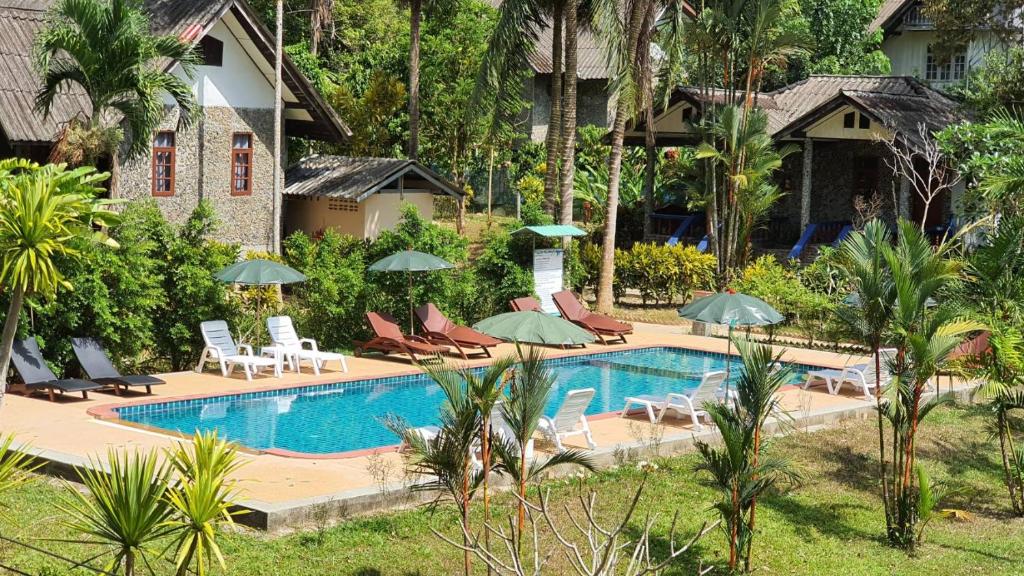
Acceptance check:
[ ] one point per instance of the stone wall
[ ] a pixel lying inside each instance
(591, 104)
(203, 171)
(835, 182)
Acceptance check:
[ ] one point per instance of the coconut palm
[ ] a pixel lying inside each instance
(625, 30)
(105, 49)
(202, 500)
(44, 213)
(125, 508)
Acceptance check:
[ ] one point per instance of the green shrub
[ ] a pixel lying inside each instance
(504, 270)
(589, 256)
(662, 273)
(191, 293)
(329, 305)
(115, 294)
(780, 286)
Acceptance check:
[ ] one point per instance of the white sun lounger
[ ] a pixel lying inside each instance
(221, 348)
(691, 403)
(860, 375)
(283, 335)
(569, 420)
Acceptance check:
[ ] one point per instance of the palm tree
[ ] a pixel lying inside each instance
(125, 508)
(106, 50)
(757, 396)
(44, 212)
(1004, 186)
(528, 396)
(201, 499)
(486, 389)
(568, 128)
(447, 460)
(321, 16)
(747, 157)
(625, 30)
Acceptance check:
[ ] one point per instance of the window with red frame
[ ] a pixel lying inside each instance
(241, 164)
(163, 164)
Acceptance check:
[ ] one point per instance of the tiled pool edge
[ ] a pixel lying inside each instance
(327, 382)
(278, 517)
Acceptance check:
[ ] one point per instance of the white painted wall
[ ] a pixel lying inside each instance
(908, 52)
(383, 210)
(236, 84)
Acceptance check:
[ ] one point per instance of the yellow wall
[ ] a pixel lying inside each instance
(831, 127)
(312, 215)
(377, 213)
(383, 210)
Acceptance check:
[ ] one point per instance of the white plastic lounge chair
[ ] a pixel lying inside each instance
(221, 348)
(570, 419)
(860, 375)
(283, 335)
(709, 390)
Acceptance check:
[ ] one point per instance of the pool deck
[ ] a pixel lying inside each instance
(283, 491)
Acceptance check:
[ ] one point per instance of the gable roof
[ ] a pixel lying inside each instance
(355, 178)
(899, 103)
(889, 14)
(21, 20)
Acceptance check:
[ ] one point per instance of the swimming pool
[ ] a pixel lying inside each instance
(343, 417)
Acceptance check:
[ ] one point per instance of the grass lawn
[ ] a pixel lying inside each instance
(829, 524)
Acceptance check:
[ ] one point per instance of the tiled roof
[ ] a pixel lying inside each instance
(898, 102)
(355, 178)
(20, 20)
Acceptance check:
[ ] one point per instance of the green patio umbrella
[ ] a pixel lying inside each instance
(733, 309)
(410, 261)
(259, 273)
(534, 328)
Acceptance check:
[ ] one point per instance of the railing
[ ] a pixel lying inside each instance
(915, 18)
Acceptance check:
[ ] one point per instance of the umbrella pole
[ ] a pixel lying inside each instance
(728, 362)
(411, 327)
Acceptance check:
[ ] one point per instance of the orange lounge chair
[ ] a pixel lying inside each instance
(389, 338)
(525, 304)
(597, 324)
(438, 329)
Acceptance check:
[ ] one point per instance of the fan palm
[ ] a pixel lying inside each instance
(126, 508)
(201, 500)
(44, 212)
(106, 50)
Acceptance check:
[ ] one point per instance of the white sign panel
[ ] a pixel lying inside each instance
(547, 276)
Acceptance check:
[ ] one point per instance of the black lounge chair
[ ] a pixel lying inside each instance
(98, 367)
(29, 363)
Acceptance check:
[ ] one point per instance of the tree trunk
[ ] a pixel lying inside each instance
(555, 120)
(115, 173)
(314, 28)
(607, 275)
(7, 340)
(129, 563)
(278, 128)
(650, 173)
(415, 14)
(485, 454)
(522, 489)
(569, 112)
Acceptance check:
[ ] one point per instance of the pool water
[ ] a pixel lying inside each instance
(345, 416)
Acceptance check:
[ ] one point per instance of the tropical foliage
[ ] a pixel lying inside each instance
(106, 50)
(44, 212)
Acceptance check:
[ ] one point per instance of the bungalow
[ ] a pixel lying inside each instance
(358, 196)
(908, 39)
(226, 157)
(839, 123)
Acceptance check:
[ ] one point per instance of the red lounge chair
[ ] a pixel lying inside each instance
(389, 338)
(598, 324)
(438, 329)
(526, 304)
